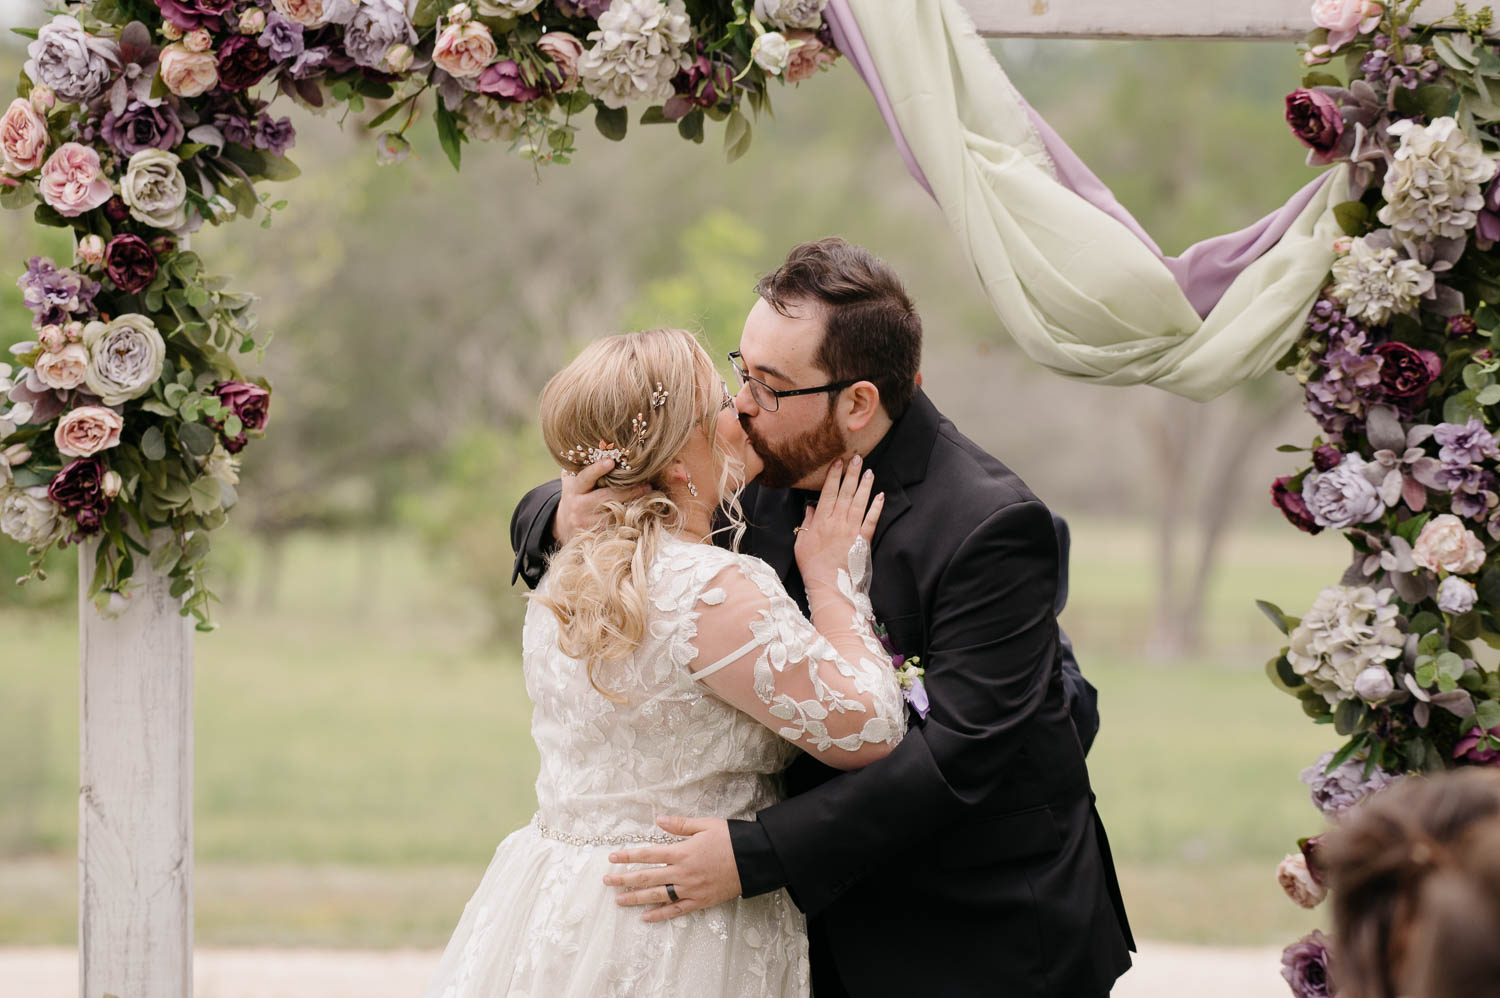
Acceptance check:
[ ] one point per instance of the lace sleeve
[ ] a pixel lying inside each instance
(829, 689)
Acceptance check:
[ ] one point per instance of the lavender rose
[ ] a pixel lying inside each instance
(129, 263)
(1334, 793)
(1292, 506)
(1462, 325)
(1343, 496)
(377, 25)
(282, 38)
(75, 65)
(275, 135)
(503, 79)
(1406, 372)
(1374, 684)
(1456, 595)
(125, 357)
(1465, 443)
(189, 15)
(1315, 121)
(1304, 965)
(242, 63)
(79, 491)
(141, 126)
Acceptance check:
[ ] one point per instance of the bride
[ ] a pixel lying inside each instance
(670, 676)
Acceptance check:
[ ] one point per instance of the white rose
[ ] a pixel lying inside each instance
(155, 189)
(65, 369)
(1446, 545)
(29, 516)
(125, 357)
(1374, 684)
(1456, 595)
(1297, 880)
(806, 14)
(771, 52)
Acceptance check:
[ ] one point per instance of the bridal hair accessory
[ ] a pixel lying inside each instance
(585, 455)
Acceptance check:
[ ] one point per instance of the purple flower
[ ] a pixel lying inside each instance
(276, 135)
(1479, 747)
(1469, 443)
(1304, 965)
(582, 8)
(1327, 458)
(310, 63)
(1462, 325)
(916, 696)
(1334, 793)
(1406, 372)
(190, 14)
(251, 403)
(1292, 506)
(703, 84)
(236, 129)
(1315, 120)
(282, 37)
(54, 296)
(1489, 216)
(129, 263)
(141, 126)
(503, 80)
(1344, 496)
(242, 63)
(79, 490)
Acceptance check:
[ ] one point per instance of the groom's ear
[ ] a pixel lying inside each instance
(863, 400)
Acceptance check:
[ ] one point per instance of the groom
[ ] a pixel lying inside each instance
(971, 860)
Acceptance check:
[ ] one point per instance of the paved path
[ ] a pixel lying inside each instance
(1163, 970)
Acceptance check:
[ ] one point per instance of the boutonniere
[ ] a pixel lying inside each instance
(909, 673)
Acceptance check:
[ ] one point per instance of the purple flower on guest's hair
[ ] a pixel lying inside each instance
(1292, 506)
(79, 490)
(1335, 792)
(1467, 443)
(503, 79)
(242, 63)
(141, 126)
(1316, 121)
(1327, 458)
(275, 135)
(282, 37)
(1406, 372)
(1304, 965)
(55, 295)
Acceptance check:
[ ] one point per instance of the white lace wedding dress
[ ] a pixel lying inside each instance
(541, 923)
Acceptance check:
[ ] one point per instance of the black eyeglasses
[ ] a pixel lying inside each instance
(768, 398)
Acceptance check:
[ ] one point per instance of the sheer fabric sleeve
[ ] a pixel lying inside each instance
(830, 689)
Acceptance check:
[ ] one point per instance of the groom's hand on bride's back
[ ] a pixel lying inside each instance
(581, 505)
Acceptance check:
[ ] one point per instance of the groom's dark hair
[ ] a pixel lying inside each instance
(871, 329)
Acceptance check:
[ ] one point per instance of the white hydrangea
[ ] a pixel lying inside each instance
(1347, 630)
(487, 119)
(1433, 185)
(637, 50)
(805, 14)
(1375, 283)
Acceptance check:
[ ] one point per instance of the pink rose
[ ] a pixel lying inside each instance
(90, 250)
(23, 138)
(808, 57)
(565, 51)
(87, 430)
(1345, 18)
(308, 13)
(1298, 881)
(53, 338)
(187, 73)
(463, 50)
(64, 369)
(73, 181)
(1445, 544)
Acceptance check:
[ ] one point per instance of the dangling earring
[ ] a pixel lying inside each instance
(692, 489)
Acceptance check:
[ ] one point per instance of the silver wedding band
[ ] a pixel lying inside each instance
(672, 894)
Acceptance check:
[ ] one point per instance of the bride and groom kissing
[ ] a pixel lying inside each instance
(739, 793)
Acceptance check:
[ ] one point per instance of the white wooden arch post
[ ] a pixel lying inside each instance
(135, 893)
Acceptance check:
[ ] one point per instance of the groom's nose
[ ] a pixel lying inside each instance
(744, 403)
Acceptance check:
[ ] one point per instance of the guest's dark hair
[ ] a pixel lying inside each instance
(871, 329)
(1415, 876)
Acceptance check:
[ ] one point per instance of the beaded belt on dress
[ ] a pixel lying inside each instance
(601, 840)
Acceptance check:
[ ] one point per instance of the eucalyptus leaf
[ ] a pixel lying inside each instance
(1274, 614)
(1346, 716)
(736, 136)
(1352, 217)
(197, 438)
(204, 494)
(153, 444)
(1488, 395)
(612, 122)
(1487, 714)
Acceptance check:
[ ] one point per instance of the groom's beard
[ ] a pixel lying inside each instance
(791, 461)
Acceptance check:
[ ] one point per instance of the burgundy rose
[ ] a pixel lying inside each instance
(1315, 120)
(1462, 324)
(116, 210)
(191, 14)
(1407, 371)
(129, 263)
(1304, 965)
(141, 126)
(703, 84)
(1293, 506)
(79, 490)
(242, 63)
(503, 79)
(1327, 458)
(249, 402)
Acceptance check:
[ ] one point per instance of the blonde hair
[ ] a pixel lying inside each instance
(662, 378)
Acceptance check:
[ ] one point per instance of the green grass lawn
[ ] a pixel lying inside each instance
(360, 752)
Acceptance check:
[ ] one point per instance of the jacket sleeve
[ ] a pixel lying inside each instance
(531, 532)
(1083, 699)
(992, 645)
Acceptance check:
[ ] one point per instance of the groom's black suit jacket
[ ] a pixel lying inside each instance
(971, 860)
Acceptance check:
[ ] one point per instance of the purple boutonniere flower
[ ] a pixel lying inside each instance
(907, 673)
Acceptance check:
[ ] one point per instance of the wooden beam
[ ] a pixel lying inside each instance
(1257, 19)
(135, 801)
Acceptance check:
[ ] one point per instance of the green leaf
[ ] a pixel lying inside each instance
(1409, 529)
(612, 122)
(1487, 714)
(373, 89)
(1424, 623)
(197, 438)
(1426, 674)
(736, 136)
(1463, 407)
(1342, 755)
(153, 444)
(386, 115)
(175, 393)
(691, 126)
(1434, 99)
(1319, 79)
(1352, 216)
(26, 32)
(45, 214)
(1488, 395)
(204, 493)
(1274, 614)
(1346, 716)
(1466, 626)
(1450, 666)
(448, 134)
(1279, 671)
(654, 116)
(1290, 449)
(1489, 589)
(165, 558)
(1476, 377)
(18, 197)
(280, 168)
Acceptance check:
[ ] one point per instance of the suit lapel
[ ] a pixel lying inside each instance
(900, 460)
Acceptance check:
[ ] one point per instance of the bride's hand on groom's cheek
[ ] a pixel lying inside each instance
(700, 868)
(581, 506)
